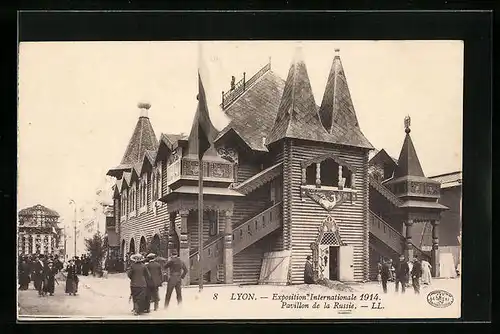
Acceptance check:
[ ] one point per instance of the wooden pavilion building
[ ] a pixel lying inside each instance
(287, 179)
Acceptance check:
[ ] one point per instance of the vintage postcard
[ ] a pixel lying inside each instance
(240, 180)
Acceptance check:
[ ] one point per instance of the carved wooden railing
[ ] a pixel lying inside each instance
(241, 86)
(256, 228)
(188, 169)
(390, 236)
(244, 235)
(385, 192)
(212, 256)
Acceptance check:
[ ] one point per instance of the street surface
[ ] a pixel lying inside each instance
(109, 298)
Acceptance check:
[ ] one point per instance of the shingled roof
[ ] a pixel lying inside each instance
(337, 112)
(408, 162)
(298, 115)
(143, 139)
(297, 112)
(253, 113)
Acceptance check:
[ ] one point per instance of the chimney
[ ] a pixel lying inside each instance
(144, 107)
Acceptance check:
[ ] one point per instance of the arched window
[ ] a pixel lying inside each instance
(311, 174)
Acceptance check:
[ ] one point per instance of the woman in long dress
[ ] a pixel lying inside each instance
(426, 272)
(139, 276)
(71, 279)
(24, 274)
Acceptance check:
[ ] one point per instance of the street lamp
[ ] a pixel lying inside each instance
(74, 221)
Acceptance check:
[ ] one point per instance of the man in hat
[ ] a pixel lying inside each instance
(308, 271)
(416, 273)
(139, 276)
(178, 271)
(155, 271)
(38, 268)
(401, 273)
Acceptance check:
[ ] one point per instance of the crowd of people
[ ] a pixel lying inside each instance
(404, 273)
(43, 270)
(146, 276)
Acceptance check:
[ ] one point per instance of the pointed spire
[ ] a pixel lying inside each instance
(408, 162)
(143, 138)
(337, 110)
(297, 105)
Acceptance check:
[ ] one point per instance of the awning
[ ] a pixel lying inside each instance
(206, 191)
(259, 179)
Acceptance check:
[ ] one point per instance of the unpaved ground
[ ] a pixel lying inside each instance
(109, 298)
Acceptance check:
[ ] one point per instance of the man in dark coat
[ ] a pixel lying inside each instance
(308, 271)
(401, 273)
(416, 273)
(24, 274)
(156, 279)
(385, 274)
(138, 274)
(78, 265)
(49, 279)
(178, 271)
(38, 268)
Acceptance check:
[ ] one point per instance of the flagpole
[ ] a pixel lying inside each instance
(200, 221)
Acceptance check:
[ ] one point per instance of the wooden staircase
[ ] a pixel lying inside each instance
(391, 238)
(244, 235)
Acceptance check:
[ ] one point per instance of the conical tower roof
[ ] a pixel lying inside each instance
(297, 112)
(337, 112)
(143, 138)
(408, 162)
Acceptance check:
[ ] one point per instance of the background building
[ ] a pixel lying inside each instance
(39, 232)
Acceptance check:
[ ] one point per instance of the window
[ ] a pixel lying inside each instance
(329, 173)
(154, 193)
(158, 186)
(213, 222)
(311, 174)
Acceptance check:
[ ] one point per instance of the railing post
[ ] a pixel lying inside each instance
(408, 245)
(318, 175)
(435, 249)
(228, 248)
(184, 245)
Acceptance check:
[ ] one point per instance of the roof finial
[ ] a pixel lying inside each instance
(144, 106)
(337, 52)
(407, 124)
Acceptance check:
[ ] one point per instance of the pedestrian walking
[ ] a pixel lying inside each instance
(156, 279)
(426, 272)
(38, 268)
(24, 274)
(401, 274)
(178, 271)
(49, 278)
(71, 278)
(139, 275)
(416, 274)
(308, 271)
(385, 274)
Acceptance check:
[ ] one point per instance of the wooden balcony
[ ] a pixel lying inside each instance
(188, 169)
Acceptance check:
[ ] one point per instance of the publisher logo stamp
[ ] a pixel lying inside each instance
(440, 298)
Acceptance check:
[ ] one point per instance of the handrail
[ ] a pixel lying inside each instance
(385, 192)
(388, 225)
(397, 233)
(241, 86)
(217, 238)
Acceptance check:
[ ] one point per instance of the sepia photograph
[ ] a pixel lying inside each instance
(234, 180)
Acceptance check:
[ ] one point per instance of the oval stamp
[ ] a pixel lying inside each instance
(440, 298)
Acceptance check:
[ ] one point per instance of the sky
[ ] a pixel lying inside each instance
(78, 101)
